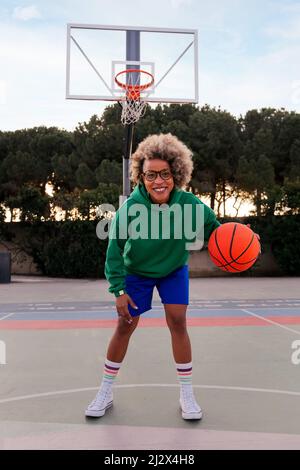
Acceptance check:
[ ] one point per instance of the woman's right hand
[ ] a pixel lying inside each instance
(122, 307)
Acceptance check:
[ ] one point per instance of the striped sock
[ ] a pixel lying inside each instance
(111, 370)
(184, 373)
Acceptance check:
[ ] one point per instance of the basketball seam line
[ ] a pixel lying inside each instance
(235, 260)
(227, 263)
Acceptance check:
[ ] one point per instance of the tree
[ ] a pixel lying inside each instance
(213, 137)
(85, 177)
(256, 176)
(109, 171)
(295, 160)
(291, 197)
(33, 205)
(64, 168)
(65, 201)
(261, 132)
(89, 201)
(286, 147)
(19, 167)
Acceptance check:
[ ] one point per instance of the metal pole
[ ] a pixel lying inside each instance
(132, 53)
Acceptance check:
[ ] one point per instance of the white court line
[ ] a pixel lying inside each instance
(65, 308)
(9, 315)
(271, 321)
(99, 308)
(209, 387)
(247, 305)
(103, 310)
(211, 307)
(271, 307)
(37, 312)
(44, 308)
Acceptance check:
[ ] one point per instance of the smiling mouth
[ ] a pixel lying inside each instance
(160, 190)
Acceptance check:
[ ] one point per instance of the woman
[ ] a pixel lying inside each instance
(160, 168)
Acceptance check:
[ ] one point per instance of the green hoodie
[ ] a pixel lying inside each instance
(159, 248)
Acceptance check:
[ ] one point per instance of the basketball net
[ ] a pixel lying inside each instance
(133, 106)
(132, 110)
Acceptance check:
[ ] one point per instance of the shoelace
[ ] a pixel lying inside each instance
(100, 398)
(189, 401)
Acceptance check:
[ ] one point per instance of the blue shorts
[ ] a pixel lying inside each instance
(172, 289)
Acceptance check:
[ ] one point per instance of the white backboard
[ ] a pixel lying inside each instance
(95, 53)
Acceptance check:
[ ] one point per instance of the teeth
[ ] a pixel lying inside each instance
(159, 190)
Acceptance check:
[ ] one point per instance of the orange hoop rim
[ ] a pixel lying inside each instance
(134, 90)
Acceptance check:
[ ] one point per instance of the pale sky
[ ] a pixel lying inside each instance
(249, 53)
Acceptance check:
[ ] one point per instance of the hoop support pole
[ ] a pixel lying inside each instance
(132, 53)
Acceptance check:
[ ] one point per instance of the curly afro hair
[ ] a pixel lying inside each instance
(165, 147)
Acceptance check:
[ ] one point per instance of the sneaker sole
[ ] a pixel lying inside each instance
(98, 414)
(192, 415)
(195, 415)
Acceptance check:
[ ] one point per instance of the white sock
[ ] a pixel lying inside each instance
(110, 372)
(184, 375)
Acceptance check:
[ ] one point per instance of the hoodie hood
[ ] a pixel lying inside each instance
(141, 195)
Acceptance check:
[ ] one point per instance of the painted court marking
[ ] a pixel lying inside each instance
(202, 313)
(6, 316)
(209, 387)
(271, 321)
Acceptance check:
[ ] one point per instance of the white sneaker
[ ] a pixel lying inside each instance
(189, 407)
(102, 401)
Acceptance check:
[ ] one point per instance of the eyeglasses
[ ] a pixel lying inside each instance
(151, 175)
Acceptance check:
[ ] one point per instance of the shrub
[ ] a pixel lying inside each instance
(67, 249)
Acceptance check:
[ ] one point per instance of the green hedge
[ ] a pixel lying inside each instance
(72, 249)
(282, 233)
(66, 249)
(285, 243)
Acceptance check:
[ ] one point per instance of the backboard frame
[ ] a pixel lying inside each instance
(115, 97)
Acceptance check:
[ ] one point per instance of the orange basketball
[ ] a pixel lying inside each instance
(233, 247)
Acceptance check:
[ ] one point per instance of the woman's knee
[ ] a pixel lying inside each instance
(177, 325)
(124, 328)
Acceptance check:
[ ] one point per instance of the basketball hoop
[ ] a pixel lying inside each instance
(133, 106)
